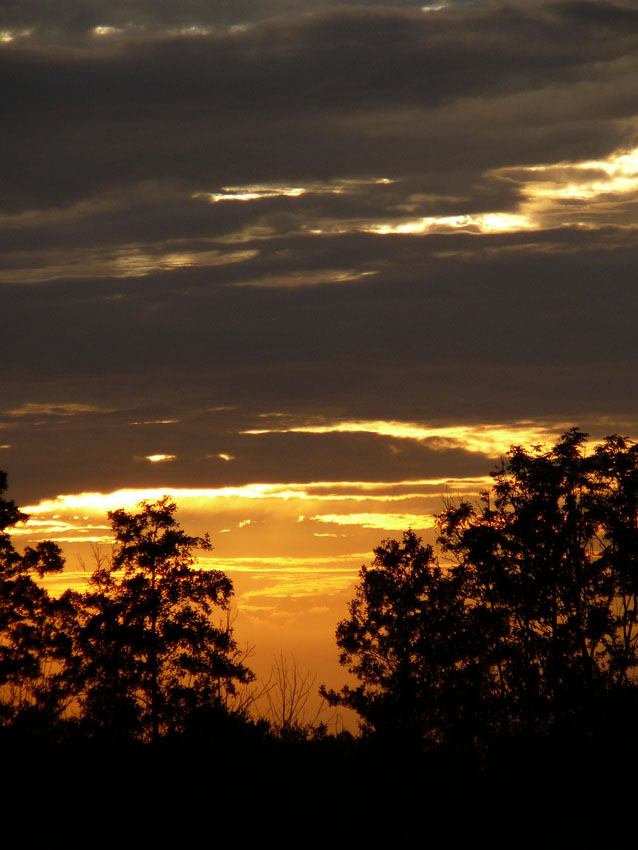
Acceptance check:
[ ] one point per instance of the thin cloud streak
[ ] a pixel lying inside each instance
(491, 440)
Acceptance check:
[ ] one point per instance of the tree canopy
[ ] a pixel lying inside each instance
(147, 651)
(154, 634)
(415, 646)
(531, 623)
(34, 645)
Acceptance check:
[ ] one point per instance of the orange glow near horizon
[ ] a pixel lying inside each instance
(280, 540)
(317, 490)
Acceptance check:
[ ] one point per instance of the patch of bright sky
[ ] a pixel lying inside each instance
(159, 458)
(617, 174)
(385, 521)
(43, 528)
(103, 31)
(7, 36)
(269, 190)
(291, 574)
(491, 440)
(478, 223)
(543, 188)
(202, 497)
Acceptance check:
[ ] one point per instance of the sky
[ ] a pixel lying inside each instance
(310, 268)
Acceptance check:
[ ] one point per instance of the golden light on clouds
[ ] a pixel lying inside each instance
(543, 189)
(31, 409)
(495, 222)
(205, 498)
(252, 193)
(73, 531)
(129, 261)
(105, 31)
(395, 522)
(258, 192)
(491, 440)
(160, 458)
(138, 263)
(617, 174)
(7, 36)
(263, 581)
(266, 513)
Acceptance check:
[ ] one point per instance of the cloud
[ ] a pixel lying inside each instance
(465, 177)
(492, 439)
(372, 520)
(39, 409)
(374, 79)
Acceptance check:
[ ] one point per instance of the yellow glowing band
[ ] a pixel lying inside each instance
(130, 498)
(491, 440)
(385, 521)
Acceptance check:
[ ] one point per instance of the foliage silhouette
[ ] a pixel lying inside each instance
(35, 649)
(153, 655)
(551, 552)
(532, 630)
(416, 647)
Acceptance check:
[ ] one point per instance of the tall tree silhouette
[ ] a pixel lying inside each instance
(418, 650)
(35, 647)
(155, 647)
(532, 628)
(551, 548)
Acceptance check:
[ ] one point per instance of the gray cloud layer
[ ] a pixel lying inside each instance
(126, 285)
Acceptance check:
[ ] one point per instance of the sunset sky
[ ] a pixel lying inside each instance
(308, 267)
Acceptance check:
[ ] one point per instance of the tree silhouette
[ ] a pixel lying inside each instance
(35, 648)
(551, 550)
(416, 647)
(154, 652)
(531, 629)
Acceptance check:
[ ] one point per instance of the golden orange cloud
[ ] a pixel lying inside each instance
(489, 439)
(387, 521)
